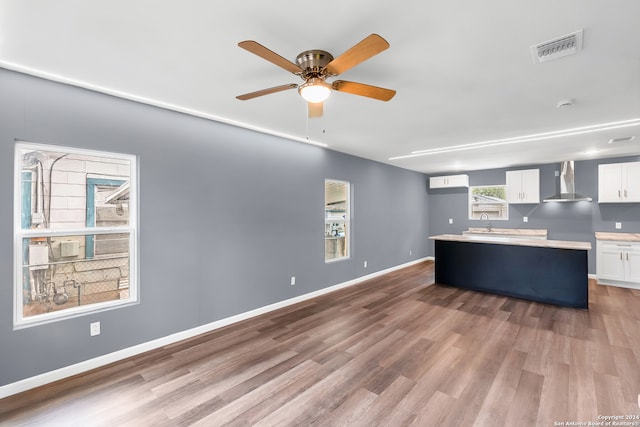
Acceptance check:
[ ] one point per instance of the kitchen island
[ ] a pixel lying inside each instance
(547, 271)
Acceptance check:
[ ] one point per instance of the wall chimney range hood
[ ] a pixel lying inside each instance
(568, 186)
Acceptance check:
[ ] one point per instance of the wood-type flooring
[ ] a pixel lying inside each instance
(396, 350)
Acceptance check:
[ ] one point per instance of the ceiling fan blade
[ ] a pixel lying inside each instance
(365, 49)
(315, 109)
(361, 89)
(269, 55)
(266, 91)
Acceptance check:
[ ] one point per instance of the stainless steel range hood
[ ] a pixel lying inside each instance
(568, 186)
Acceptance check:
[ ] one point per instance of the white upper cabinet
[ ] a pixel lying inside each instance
(523, 186)
(449, 181)
(619, 182)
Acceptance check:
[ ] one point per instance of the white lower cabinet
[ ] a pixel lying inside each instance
(618, 263)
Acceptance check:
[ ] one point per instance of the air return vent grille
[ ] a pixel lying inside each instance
(624, 139)
(557, 48)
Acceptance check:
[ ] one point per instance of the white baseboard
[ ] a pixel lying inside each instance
(87, 365)
(619, 284)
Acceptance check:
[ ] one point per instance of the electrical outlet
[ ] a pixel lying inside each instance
(293, 280)
(365, 264)
(525, 219)
(94, 328)
(450, 220)
(410, 252)
(618, 225)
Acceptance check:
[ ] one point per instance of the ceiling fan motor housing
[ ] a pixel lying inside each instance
(312, 62)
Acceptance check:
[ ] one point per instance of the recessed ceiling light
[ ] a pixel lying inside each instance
(625, 139)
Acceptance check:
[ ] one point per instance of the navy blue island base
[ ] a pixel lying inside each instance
(542, 274)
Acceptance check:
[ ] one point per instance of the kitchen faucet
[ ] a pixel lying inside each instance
(485, 216)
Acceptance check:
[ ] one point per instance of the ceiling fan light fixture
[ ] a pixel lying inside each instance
(315, 90)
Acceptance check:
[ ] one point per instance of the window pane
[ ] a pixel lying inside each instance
(335, 244)
(69, 190)
(488, 202)
(56, 275)
(337, 217)
(107, 202)
(111, 244)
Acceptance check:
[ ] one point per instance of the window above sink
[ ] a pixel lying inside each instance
(488, 203)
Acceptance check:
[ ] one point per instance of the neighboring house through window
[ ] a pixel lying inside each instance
(488, 202)
(105, 210)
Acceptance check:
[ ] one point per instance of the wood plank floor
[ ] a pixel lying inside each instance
(394, 351)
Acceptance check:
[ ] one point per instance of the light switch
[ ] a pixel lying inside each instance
(525, 219)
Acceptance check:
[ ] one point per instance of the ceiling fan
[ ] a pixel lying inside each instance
(315, 66)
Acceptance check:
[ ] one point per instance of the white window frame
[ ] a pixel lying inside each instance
(347, 221)
(470, 204)
(19, 321)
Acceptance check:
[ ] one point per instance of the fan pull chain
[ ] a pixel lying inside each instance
(308, 136)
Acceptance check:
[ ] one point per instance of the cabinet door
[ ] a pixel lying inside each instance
(632, 265)
(531, 186)
(449, 181)
(458, 181)
(631, 180)
(514, 187)
(523, 186)
(610, 262)
(609, 183)
(437, 182)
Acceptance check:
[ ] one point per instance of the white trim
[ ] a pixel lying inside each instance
(618, 283)
(57, 232)
(70, 313)
(87, 365)
(153, 102)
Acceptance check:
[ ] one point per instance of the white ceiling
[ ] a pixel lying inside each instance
(462, 69)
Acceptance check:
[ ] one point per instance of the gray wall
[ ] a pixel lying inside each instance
(227, 215)
(564, 221)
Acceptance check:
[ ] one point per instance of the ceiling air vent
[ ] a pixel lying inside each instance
(557, 48)
(624, 139)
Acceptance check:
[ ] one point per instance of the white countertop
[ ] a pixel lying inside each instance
(620, 237)
(515, 241)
